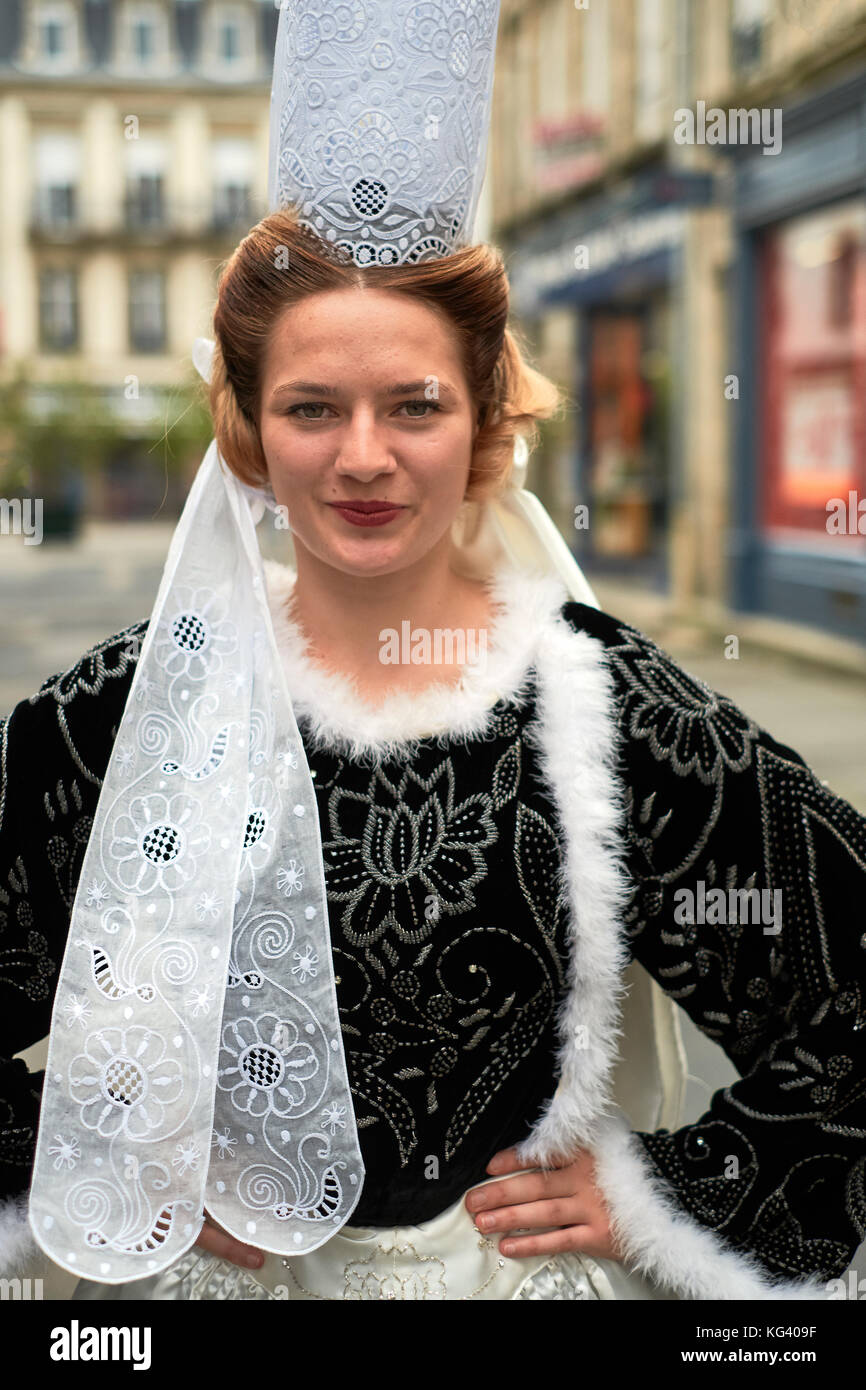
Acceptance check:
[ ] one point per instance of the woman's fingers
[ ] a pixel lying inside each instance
(576, 1239)
(559, 1211)
(218, 1242)
(506, 1160)
(528, 1187)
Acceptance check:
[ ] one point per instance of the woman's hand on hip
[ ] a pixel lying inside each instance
(566, 1197)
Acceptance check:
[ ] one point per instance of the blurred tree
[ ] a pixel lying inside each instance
(49, 443)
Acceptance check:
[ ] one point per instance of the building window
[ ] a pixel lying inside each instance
(748, 34)
(144, 35)
(57, 170)
(147, 329)
(146, 160)
(54, 36)
(813, 350)
(233, 161)
(58, 310)
(143, 46)
(145, 206)
(232, 205)
(229, 41)
(232, 40)
(56, 205)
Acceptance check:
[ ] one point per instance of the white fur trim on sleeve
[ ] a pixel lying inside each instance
(21, 1258)
(664, 1242)
(18, 1249)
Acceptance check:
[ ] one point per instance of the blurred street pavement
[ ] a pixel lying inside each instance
(60, 597)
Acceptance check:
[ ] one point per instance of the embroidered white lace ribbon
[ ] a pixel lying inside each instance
(195, 1053)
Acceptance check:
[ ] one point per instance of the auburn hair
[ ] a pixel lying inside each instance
(280, 261)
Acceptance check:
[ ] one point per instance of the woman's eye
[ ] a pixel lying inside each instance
(319, 405)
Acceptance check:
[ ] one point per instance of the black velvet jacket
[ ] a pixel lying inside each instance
(776, 1168)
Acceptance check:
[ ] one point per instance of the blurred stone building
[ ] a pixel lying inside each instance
(133, 157)
(702, 299)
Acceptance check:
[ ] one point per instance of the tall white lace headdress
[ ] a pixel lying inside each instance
(195, 1056)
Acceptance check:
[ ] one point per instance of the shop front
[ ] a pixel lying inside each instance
(617, 260)
(799, 461)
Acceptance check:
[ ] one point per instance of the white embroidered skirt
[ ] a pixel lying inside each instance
(446, 1258)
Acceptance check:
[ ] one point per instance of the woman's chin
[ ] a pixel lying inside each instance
(369, 567)
(370, 551)
(368, 558)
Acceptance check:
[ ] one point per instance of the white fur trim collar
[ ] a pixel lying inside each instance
(341, 720)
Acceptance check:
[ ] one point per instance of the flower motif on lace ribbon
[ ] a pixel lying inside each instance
(67, 1152)
(195, 637)
(224, 1143)
(291, 878)
(287, 761)
(262, 820)
(125, 758)
(124, 1081)
(308, 962)
(414, 842)
(682, 719)
(264, 1064)
(97, 893)
(208, 905)
(143, 688)
(77, 1011)
(334, 1117)
(236, 680)
(200, 1000)
(187, 1156)
(160, 841)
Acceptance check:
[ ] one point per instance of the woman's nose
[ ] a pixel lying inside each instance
(364, 451)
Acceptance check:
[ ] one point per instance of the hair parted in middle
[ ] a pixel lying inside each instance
(280, 262)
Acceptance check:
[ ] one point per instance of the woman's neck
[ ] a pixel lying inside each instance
(382, 631)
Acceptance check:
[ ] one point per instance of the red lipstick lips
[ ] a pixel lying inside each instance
(367, 513)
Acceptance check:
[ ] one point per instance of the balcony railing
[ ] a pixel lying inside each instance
(63, 219)
(153, 340)
(144, 211)
(55, 207)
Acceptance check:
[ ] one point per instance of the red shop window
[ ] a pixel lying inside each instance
(812, 340)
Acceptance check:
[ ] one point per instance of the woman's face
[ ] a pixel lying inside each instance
(364, 401)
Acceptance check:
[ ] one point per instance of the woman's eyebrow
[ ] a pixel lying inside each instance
(399, 388)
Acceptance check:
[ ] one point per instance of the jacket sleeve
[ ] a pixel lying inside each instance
(54, 749)
(749, 910)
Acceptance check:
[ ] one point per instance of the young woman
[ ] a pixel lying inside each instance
(503, 838)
